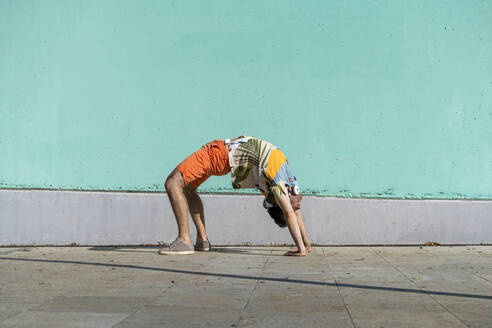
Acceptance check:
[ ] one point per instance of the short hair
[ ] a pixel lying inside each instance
(277, 216)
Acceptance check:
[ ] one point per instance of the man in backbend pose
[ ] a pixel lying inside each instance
(253, 163)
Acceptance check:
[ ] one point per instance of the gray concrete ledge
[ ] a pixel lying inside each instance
(40, 217)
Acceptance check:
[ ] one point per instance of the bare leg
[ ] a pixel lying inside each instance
(174, 188)
(196, 210)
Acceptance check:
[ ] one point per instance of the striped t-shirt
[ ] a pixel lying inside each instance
(256, 163)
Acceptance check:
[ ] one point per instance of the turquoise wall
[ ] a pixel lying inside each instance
(365, 98)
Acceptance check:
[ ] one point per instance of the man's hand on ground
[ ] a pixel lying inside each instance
(295, 252)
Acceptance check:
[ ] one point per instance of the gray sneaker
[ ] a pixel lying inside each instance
(178, 247)
(202, 246)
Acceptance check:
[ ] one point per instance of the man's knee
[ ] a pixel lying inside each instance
(174, 181)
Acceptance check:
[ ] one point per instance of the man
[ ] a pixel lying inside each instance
(253, 163)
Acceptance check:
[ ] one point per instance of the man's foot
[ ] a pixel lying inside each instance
(178, 247)
(202, 246)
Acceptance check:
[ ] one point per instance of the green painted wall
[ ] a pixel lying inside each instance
(366, 98)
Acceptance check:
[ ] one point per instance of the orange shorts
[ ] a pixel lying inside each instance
(211, 159)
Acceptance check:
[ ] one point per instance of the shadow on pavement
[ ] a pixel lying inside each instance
(236, 276)
(126, 249)
(216, 249)
(249, 251)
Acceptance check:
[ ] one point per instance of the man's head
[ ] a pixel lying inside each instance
(276, 213)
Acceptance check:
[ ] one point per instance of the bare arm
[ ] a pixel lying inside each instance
(293, 224)
(300, 222)
(305, 239)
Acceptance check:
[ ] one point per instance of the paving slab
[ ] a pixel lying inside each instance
(95, 304)
(181, 316)
(437, 286)
(9, 307)
(36, 319)
(329, 318)
(206, 294)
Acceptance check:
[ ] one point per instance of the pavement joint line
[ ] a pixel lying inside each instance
(236, 276)
(394, 268)
(141, 307)
(33, 307)
(479, 276)
(28, 309)
(413, 282)
(254, 289)
(19, 312)
(340, 292)
(166, 290)
(128, 316)
(458, 267)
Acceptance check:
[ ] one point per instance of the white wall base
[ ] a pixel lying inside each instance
(40, 217)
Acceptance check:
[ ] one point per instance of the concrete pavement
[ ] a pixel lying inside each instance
(246, 287)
